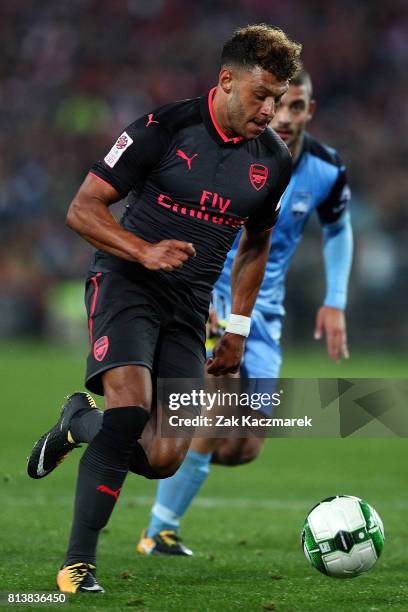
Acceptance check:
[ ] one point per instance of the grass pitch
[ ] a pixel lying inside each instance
(244, 526)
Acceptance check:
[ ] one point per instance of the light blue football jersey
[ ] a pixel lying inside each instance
(318, 183)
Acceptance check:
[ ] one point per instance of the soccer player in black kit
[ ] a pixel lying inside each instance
(194, 172)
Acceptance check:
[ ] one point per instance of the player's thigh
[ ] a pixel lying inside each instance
(124, 322)
(129, 385)
(180, 357)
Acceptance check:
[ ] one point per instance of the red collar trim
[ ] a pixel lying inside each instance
(213, 119)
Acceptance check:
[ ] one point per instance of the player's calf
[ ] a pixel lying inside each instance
(102, 471)
(165, 455)
(139, 464)
(155, 457)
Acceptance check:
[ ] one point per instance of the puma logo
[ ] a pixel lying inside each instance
(150, 120)
(181, 154)
(109, 491)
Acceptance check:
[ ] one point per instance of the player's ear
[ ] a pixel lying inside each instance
(225, 80)
(311, 109)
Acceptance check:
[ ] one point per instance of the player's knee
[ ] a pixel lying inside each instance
(153, 469)
(238, 454)
(164, 470)
(249, 453)
(164, 465)
(231, 458)
(153, 474)
(121, 428)
(115, 396)
(134, 400)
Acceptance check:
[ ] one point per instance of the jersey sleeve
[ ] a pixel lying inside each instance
(133, 156)
(266, 215)
(332, 208)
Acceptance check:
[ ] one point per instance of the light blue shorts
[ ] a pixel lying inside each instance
(263, 355)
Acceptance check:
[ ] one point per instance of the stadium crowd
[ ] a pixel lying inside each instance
(73, 73)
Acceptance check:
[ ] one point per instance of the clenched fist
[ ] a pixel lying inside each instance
(166, 255)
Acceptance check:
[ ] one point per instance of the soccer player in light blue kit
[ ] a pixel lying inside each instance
(318, 185)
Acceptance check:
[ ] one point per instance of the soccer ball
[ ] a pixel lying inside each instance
(343, 536)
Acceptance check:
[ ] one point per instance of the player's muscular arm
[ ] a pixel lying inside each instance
(248, 270)
(246, 278)
(89, 216)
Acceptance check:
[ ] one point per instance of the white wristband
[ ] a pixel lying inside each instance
(238, 324)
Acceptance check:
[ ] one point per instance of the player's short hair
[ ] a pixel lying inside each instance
(302, 77)
(265, 46)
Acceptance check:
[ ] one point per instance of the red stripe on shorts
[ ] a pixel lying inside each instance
(94, 281)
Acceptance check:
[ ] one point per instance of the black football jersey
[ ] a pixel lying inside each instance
(186, 180)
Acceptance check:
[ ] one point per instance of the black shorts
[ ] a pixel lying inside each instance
(141, 322)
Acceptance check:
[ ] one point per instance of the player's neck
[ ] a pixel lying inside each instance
(296, 148)
(220, 114)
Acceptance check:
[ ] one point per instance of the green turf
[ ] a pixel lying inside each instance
(244, 527)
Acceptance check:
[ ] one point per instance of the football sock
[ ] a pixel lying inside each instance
(175, 494)
(102, 471)
(85, 426)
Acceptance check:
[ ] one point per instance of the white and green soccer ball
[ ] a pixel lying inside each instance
(343, 536)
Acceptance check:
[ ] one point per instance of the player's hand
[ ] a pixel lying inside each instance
(166, 255)
(330, 322)
(227, 355)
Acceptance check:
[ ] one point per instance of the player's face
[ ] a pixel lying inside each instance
(252, 101)
(294, 113)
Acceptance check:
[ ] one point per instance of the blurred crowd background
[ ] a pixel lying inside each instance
(73, 73)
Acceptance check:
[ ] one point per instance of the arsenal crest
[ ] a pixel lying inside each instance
(258, 175)
(101, 348)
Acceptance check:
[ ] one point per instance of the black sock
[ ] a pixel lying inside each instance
(84, 427)
(102, 471)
